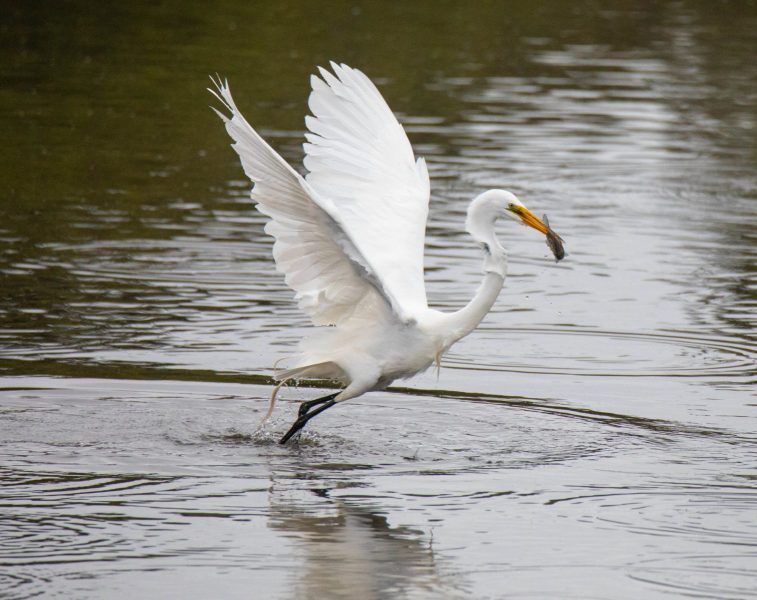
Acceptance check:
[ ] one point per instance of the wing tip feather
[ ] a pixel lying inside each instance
(223, 117)
(222, 93)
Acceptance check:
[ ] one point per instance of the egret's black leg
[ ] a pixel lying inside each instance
(327, 402)
(306, 406)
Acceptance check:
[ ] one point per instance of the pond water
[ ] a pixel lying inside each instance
(594, 438)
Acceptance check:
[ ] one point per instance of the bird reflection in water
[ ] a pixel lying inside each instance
(351, 551)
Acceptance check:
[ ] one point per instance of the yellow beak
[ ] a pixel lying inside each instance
(530, 219)
(554, 241)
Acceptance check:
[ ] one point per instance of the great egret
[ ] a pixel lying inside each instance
(349, 239)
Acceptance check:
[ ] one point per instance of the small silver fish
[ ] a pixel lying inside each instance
(554, 241)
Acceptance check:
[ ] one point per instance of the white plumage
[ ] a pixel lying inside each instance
(349, 239)
(358, 156)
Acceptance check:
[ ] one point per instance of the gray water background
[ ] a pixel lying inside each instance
(593, 439)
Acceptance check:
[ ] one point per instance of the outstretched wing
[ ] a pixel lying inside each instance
(359, 157)
(331, 279)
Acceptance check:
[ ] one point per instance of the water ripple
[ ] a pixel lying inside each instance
(711, 515)
(573, 351)
(86, 521)
(723, 576)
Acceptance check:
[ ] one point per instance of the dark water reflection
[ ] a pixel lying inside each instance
(594, 439)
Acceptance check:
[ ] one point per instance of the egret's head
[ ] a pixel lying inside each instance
(496, 203)
(489, 206)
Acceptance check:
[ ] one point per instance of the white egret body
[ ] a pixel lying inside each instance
(349, 239)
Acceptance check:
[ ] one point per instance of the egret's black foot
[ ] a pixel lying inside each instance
(302, 421)
(305, 414)
(306, 406)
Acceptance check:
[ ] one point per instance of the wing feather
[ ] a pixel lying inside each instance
(318, 258)
(358, 156)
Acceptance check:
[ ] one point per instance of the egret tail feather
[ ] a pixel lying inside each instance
(272, 403)
(322, 370)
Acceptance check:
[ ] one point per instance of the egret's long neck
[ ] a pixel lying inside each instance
(465, 320)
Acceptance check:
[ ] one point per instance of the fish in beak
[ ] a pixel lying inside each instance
(554, 241)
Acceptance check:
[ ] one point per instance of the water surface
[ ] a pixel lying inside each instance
(594, 438)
